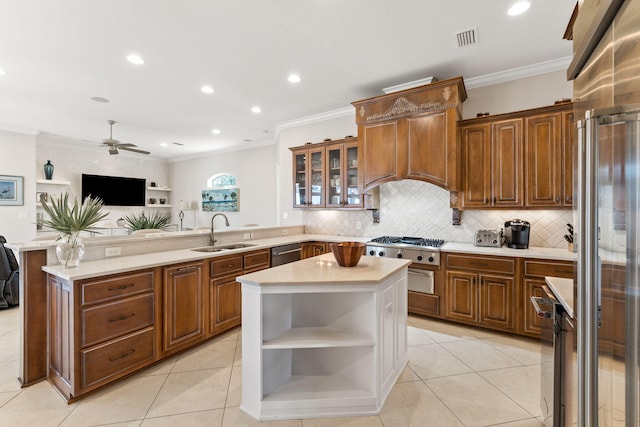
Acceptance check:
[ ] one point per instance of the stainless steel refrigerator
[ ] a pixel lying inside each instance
(606, 73)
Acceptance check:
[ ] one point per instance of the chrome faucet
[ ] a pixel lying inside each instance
(213, 236)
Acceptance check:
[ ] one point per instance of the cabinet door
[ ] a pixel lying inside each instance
(496, 302)
(432, 149)
(300, 178)
(462, 296)
(532, 322)
(335, 176)
(378, 151)
(352, 198)
(544, 160)
(316, 197)
(476, 171)
(311, 249)
(507, 163)
(225, 304)
(183, 305)
(569, 132)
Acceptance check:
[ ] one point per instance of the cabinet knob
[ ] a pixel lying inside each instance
(567, 199)
(494, 200)
(486, 200)
(557, 199)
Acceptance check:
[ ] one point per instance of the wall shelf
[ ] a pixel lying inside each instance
(158, 205)
(158, 188)
(52, 182)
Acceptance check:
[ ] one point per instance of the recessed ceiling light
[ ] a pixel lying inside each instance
(2, 72)
(206, 89)
(164, 144)
(519, 7)
(294, 78)
(216, 131)
(99, 99)
(256, 109)
(135, 59)
(247, 140)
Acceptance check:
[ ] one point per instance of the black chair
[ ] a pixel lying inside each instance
(9, 276)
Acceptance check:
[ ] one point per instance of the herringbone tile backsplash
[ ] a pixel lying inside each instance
(415, 208)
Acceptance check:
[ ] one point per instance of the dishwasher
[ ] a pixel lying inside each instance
(285, 254)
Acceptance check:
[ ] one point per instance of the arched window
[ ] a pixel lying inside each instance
(221, 180)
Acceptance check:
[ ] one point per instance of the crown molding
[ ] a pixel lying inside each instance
(315, 118)
(560, 64)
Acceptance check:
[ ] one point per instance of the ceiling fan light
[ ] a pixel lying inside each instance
(113, 150)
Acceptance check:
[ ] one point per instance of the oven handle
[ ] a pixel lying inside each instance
(539, 311)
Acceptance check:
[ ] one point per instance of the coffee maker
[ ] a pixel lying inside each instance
(517, 233)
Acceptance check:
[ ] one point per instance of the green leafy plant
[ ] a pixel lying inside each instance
(156, 220)
(70, 220)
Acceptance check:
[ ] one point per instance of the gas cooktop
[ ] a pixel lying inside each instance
(415, 241)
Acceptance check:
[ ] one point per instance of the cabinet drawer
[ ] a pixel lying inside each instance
(226, 265)
(548, 268)
(257, 261)
(111, 287)
(103, 322)
(476, 263)
(106, 362)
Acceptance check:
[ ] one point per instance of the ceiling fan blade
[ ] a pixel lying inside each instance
(122, 145)
(109, 142)
(135, 150)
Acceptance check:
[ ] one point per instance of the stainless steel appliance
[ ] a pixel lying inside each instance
(285, 254)
(606, 67)
(557, 391)
(516, 233)
(421, 251)
(489, 238)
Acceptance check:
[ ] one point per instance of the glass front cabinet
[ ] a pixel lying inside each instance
(326, 175)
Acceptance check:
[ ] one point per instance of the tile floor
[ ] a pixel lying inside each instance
(457, 376)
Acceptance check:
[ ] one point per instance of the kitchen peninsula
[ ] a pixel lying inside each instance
(323, 340)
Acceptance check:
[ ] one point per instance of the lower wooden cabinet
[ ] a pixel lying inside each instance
(311, 249)
(183, 306)
(535, 270)
(101, 329)
(481, 290)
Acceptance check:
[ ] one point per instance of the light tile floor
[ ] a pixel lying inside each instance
(457, 376)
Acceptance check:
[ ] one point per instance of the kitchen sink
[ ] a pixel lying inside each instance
(220, 248)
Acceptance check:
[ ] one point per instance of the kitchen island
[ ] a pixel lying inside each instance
(323, 340)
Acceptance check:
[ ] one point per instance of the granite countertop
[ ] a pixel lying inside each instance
(563, 291)
(541, 253)
(324, 269)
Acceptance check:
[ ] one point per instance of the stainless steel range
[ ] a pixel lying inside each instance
(417, 249)
(424, 254)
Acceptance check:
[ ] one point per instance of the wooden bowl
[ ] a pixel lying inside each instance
(347, 253)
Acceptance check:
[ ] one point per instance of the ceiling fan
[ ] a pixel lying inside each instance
(114, 144)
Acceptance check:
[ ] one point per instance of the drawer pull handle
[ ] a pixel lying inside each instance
(122, 317)
(123, 355)
(121, 287)
(191, 267)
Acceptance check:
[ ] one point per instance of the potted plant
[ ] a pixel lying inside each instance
(69, 221)
(157, 220)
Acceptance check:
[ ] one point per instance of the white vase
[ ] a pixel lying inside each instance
(70, 250)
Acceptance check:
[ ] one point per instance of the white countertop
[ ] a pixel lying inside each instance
(532, 252)
(324, 269)
(563, 291)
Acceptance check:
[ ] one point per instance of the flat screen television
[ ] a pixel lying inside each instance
(115, 190)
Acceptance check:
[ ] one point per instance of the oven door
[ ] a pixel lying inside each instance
(421, 281)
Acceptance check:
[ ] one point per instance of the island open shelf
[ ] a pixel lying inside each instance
(322, 340)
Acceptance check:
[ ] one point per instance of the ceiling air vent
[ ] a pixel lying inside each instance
(467, 37)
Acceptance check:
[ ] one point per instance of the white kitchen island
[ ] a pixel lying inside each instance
(322, 340)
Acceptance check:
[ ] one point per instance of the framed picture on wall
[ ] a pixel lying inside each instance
(221, 200)
(11, 190)
(42, 196)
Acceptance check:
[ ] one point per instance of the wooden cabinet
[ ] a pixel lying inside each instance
(481, 290)
(427, 304)
(342, 175)
(101, 329)
(309, 177)
(411, 134)
(225, 297)
(516, 160)
(492, 164)
(535, 270)
(183, 306)
(311, 249)
(325, 175)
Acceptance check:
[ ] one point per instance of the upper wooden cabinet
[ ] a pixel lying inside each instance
(517, 160)
(411, 134)
(325, 175)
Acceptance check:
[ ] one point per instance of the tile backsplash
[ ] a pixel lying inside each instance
(415, 208)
